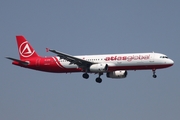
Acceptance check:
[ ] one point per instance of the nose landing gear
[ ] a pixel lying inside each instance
(154, 73)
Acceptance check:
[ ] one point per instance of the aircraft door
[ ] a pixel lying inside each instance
(151, 58)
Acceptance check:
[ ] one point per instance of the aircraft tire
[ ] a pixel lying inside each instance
(85, 76)
(154, 76)
(98, 80)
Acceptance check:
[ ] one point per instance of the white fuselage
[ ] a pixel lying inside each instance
(124, 61)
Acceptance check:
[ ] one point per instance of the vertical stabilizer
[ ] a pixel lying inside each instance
(25, 50)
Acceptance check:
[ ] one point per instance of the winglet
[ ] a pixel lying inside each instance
(47, 49)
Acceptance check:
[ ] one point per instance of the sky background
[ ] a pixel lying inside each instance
(90, 27)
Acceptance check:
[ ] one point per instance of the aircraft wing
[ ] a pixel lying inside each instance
(73, 60)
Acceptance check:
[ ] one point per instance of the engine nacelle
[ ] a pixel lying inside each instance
(98, 67)
(117, 74)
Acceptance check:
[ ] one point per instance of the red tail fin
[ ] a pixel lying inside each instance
(25, 49)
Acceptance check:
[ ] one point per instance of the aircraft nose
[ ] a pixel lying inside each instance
(171, 62)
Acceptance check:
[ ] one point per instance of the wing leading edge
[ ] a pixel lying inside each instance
(84, 64)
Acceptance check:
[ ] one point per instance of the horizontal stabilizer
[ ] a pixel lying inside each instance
(19, 61)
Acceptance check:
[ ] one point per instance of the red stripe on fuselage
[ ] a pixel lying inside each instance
(143, 67)
(57, 62)
(147, 67)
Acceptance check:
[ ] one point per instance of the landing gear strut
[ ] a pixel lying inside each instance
(98, 79)
(154, 73)
(85, 76)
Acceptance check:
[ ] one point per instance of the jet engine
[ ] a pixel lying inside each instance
(117, 74)
(98, 67)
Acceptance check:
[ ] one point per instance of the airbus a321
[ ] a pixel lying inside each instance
(113, 65)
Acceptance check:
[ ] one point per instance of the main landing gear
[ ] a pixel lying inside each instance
(154, 73)
(85, 76)
(98, 79)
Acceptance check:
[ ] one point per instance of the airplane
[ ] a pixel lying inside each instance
(113, 65)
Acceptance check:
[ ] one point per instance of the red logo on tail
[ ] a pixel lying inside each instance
(25, 50)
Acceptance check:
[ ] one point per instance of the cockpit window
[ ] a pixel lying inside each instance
(163, 57)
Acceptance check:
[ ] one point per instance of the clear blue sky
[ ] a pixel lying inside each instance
(90, 27)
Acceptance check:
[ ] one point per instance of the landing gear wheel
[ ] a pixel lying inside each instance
(85, 76)
(154, 73)
(154, 76)
(98, 80)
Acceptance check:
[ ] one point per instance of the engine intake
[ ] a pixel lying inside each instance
(117, 74)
